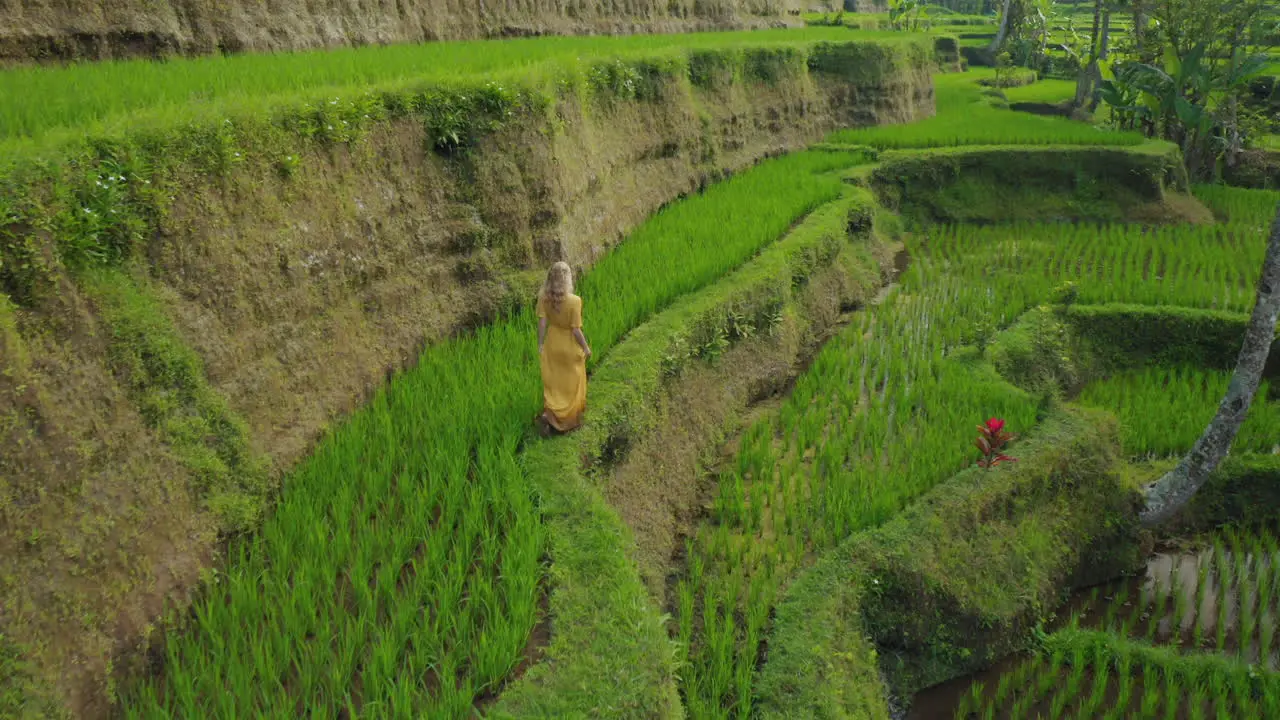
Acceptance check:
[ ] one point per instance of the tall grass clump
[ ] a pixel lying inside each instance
(400, 571)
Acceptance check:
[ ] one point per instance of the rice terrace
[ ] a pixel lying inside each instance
(929, 351)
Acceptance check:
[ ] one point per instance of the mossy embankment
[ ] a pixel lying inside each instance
(42, 31)
(617, 495)
(1145, 183)
(955, 581)
(189, 308)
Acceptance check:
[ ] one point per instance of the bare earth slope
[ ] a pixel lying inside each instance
(49, 29)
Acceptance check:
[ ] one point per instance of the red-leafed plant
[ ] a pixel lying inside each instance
(991, 439)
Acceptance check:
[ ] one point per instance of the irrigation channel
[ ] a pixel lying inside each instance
(1216, 596)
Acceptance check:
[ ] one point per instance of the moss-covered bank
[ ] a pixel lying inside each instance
(1005, 184)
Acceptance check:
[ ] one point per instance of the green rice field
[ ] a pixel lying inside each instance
(41, 101)
(1194, 637)
(416, 552)
(1185, 399)
(406, 565)
(869, 427)
(965, 116)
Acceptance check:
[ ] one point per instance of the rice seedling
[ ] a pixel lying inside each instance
(1229, 605)
(1185, 398)
(401, 569)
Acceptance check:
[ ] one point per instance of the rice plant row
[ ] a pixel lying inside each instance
(42, 98)
(884, 411)
(399, 574)
(965, 116)
(1185, 400)
(1225, 599)
(873, 424)
(1086, 684)
(1209, 267)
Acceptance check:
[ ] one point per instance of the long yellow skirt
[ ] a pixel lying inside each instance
(564, 379)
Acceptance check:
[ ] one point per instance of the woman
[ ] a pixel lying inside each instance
(562, 350)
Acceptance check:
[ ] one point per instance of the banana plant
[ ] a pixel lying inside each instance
(1186, 99)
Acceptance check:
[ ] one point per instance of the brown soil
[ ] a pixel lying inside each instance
(40, 30)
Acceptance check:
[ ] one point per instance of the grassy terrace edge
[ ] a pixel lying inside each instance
(95, 199)
(610, 654)
(871, 586)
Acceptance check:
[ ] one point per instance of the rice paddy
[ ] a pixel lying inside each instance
(1185, 399)
(873, 423)
(966, 116)
(400, 571)
(1195, 637)
(40, 100)
(1224, 598)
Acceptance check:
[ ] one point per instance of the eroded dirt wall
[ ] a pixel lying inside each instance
(48, 29)
(298, 296)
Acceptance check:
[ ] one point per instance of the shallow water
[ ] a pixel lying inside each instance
(1211, 599)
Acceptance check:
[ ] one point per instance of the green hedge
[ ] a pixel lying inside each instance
(610, 655)
(1126, 335)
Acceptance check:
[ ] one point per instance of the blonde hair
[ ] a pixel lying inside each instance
(559, 283)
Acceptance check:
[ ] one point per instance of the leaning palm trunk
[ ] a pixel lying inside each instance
(1171, 492)
(1095, 72)
(1085, 82)
(1003, 31)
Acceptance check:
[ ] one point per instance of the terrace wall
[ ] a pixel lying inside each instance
(81, 29)
(273, 281)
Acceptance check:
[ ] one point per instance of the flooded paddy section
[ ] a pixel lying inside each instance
(1219, 597)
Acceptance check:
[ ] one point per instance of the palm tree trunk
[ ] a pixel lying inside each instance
(1104, 47)
(1168, 494)
(1084, 85)
(998, 42)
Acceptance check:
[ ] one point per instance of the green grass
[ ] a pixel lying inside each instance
(400, 569)
(1042, 91)
(965, 116)
(108, 96)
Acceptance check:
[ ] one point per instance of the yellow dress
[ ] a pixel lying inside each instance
(564, 364)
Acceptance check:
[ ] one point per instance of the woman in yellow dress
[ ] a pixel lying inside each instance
(562, 351)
